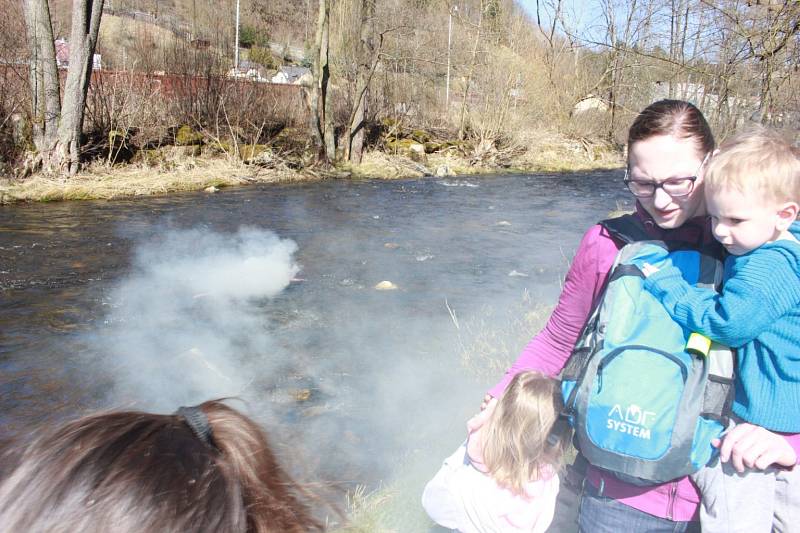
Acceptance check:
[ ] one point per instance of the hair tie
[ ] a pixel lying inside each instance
(197, 421)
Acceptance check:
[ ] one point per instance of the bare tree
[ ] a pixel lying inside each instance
(319, 98)
(471, 72)
(43, 76)
(618, 55)
(368, 61)
(59, 123)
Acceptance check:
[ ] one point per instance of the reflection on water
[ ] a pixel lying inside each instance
(344, 371)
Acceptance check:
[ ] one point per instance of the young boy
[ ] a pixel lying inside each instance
(752, 190)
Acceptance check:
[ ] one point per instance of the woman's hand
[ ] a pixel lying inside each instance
(749, 446)
(487, 401)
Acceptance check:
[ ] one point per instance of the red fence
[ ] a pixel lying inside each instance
(185, 98)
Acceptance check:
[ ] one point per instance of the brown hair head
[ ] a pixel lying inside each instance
(140, 472)
(678, 118)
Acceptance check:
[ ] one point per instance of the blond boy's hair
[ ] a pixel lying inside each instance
(515, 447)
(758, 161)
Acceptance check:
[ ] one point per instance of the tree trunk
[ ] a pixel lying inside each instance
(765, 96)
(43, 76)
(57, 124)
(321, 115)
(462, 132)
(83, 40)
(355, 146)
(327, 108)
(368, 60)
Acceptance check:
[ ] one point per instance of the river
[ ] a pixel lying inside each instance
(155, 303)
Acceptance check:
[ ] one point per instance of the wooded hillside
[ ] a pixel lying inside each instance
(486, 72)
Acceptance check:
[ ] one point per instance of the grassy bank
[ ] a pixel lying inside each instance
(105, 183)
(102, 182)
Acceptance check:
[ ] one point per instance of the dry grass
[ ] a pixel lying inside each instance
(550, 152)
(546, 152)
(391, 509)
(103, 183)
(377, 164)
(490, 340)
(117, 33)
(367, 512)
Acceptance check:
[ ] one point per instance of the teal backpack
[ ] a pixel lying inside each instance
(643, 406)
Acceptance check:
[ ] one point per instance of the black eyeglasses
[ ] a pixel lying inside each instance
(675, 187)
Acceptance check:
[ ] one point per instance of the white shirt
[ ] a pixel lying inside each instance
(463, 498)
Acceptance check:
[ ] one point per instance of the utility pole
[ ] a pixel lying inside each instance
(306, 24)
(449, 39)
(236, 44)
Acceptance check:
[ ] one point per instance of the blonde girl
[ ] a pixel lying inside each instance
(504, 477)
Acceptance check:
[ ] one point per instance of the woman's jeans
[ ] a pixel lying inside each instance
(599, 514)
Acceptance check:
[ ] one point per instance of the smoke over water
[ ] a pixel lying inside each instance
(186, 325)
(356, 386)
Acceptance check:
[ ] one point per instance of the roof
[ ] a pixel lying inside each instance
(294, 72)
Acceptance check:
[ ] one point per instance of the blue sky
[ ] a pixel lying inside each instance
(586, 18)
(580, 13)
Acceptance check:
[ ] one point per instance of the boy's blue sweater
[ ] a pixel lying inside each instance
(758, 312)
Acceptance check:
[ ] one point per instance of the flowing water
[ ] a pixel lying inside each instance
(145, 304)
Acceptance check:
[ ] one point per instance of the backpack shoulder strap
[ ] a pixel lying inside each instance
(627, 228)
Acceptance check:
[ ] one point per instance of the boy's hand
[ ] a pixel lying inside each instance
(749, 446)
(648, 270)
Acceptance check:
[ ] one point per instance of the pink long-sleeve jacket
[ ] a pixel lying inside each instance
(548, 351)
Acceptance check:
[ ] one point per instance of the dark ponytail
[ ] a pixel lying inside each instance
(140, 472)
(271, 497)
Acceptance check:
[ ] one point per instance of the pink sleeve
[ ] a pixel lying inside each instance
(794, 441)
(550, 348)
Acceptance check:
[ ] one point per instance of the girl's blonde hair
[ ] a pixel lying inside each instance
(758, 161)
(516, 447)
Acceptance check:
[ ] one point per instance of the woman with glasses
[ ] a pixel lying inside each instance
(669, 145)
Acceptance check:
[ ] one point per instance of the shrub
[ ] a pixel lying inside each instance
(250, 36)
(263, 57)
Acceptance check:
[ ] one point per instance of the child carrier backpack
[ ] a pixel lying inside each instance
(643, 405)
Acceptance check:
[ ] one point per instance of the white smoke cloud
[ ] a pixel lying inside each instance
(377, 380)
(186, 325)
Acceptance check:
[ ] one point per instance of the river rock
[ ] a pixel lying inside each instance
(442, 171)
(210, 189)
(385, 286)
(301, 395)
(391, 245)
(417, 152)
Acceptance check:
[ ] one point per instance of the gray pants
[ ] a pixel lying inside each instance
(756, 501)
